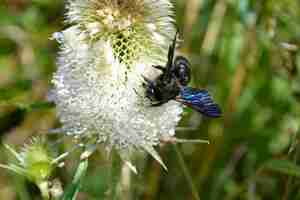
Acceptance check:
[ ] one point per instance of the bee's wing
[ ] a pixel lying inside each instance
(172, 51)
(169, 65)
(199, 100)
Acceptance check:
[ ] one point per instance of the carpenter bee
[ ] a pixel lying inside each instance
(172, 85)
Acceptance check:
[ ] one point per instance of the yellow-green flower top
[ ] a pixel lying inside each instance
(134, 27)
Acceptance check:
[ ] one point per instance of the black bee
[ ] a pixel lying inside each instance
(172, 85)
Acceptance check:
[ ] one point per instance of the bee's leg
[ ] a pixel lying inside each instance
(159, 68)
(150, 87)
(158, 103)
(149, 84)
(137, 93)
(148, 81)
(179, 84)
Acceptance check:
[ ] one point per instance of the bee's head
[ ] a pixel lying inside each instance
(182, 70)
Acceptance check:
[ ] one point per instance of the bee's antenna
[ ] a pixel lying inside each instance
(136, 92)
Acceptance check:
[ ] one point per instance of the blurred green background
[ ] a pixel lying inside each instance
(246, 52)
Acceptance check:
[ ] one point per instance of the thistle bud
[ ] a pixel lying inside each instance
(34, 162)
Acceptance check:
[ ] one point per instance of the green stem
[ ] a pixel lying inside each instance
(125, 182)
(44, 188)
(115, 173)
(186, 173)
(74, 187)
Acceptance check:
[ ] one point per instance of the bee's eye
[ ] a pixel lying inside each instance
(182, 70)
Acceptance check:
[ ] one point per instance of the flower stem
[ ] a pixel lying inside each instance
(186, 173)
(115, 173)
(125, 182)
(43, 186)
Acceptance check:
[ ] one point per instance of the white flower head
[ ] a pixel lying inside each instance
(98, 87)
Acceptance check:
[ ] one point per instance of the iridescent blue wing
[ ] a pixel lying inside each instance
(199, 100)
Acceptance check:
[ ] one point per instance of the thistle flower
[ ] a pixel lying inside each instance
(98, 87)
(35, 162)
